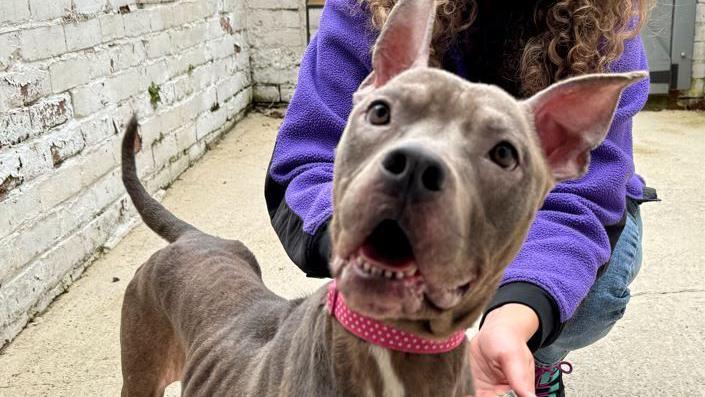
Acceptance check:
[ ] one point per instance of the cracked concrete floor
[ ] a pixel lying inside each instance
(658, 349)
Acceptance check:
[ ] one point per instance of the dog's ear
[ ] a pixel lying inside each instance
(573, 117)
(405, 41)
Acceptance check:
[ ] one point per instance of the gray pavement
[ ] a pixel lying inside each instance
(658, 349)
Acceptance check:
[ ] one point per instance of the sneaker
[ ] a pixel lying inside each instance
(549, 380)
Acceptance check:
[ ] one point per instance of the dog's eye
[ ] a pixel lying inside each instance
(378, 113)
(505, 155)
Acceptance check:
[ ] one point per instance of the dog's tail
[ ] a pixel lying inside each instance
(158, 218)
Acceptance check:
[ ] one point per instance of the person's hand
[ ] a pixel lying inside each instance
(500, 360)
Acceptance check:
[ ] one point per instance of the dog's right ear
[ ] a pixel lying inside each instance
(404, 43)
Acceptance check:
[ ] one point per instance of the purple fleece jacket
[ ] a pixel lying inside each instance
(567, 243)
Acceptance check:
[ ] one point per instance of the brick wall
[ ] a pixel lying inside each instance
(72, 72)
(697, 89)
(277, 36)
(314, 17)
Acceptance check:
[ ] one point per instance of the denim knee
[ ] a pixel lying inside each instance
(607, 300)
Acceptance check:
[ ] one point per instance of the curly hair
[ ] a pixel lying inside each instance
(571, 37)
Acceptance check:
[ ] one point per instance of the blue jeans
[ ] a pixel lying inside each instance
(607, 299)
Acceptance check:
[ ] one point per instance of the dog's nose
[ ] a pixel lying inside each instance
(415, 171)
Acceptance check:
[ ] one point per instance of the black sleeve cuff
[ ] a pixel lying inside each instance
(309, 252)
(319, 251)
(539, 301)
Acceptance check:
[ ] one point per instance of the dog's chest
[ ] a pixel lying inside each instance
(392, 385)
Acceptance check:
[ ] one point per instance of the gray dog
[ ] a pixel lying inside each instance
(437, 181)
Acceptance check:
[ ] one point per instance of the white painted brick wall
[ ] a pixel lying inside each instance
(13, 10)
(277, 39)
(72, 72)
(697, 89)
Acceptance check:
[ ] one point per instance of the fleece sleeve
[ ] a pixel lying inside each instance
(569, 241)
(298, 188)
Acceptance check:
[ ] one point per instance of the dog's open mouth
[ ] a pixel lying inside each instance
(387, 253)
(383, 277)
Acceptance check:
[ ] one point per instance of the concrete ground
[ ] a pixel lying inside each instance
(658, 349)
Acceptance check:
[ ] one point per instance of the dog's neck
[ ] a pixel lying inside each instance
(385, 336)
(367, 367)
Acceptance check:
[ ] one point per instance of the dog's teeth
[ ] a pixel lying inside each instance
(388, 274)
(366, 266)
(410, 272)
(399, 275)
(375, 271)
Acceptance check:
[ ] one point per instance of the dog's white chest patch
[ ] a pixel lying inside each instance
(392, 385)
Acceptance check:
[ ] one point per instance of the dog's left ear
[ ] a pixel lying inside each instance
(404, 43)
(574, 116)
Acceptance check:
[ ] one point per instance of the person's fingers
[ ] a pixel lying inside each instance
(519, 371)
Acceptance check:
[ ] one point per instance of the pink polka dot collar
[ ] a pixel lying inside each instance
(385, 336)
